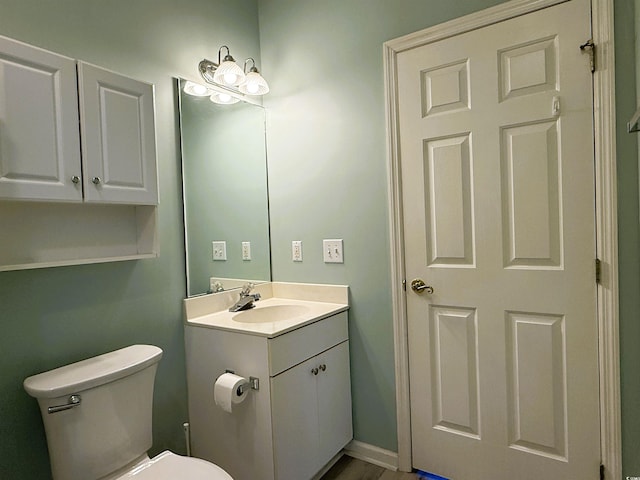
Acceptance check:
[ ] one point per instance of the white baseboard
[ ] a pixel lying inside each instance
(372, 454)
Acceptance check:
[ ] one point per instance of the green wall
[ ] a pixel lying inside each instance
(54, 316)
(628, 236)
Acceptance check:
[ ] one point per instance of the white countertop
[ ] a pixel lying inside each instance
(308, 312)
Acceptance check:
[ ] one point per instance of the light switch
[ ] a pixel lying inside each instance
(332, 251)
(219, 250)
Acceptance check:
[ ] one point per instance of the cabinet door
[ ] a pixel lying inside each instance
(334, 402)
(294, 407)
(118, 132)
(39, 136)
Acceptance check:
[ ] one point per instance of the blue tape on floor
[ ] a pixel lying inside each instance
(429, 476)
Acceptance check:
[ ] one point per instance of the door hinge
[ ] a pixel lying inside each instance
(601, 472)
(598, 270)
(404, 284)
(590, 48)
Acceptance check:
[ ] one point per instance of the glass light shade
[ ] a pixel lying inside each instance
(223, 98)
(229, 73)
(254, 84)
(196, 89)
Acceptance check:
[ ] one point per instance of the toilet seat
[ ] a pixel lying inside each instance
(169, 466)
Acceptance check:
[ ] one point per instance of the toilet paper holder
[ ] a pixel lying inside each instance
(253, 383)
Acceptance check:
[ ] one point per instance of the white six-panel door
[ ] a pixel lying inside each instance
(496, 154)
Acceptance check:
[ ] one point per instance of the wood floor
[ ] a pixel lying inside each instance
(348, 468)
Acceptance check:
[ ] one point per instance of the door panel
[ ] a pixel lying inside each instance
(449, 208)
(497, 180)
(531, 207)
(454, 336)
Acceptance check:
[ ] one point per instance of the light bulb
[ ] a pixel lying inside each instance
(199, 89)
(230, 78)
(196, 89)
(224, 97)
(252, 87)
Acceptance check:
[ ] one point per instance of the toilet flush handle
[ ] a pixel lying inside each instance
(74, 401)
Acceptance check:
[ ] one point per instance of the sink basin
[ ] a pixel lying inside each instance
(270, 313)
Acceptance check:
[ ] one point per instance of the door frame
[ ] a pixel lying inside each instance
(606, 215)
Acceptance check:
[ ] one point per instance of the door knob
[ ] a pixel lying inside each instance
(419, 286)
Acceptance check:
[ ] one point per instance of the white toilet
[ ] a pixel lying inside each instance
(97, 417)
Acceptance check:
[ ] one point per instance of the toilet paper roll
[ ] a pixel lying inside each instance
(227, 391)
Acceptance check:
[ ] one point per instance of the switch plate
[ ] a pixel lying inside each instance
(332, 251)
(219, 250)
(296, 250)
(246, 250)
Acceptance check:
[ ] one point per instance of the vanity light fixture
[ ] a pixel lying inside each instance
(229, 74)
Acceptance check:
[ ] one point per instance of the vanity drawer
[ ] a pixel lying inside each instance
(298, 345)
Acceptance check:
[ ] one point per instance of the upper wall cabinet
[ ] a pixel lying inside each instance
(40, 156)
(78, 175)
(118, 138)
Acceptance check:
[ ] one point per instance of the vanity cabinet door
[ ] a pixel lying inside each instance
(334, 402)
(294, 407)
(39, 137)
(118, 133)
(311, 407)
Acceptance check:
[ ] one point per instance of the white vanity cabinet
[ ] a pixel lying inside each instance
(300, 417)
(78, 175)
(309, 432)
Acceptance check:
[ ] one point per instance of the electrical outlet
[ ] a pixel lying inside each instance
(332, 251)
(219, 250)
(296, 250)
(246, 250)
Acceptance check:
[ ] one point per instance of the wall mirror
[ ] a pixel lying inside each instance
(225, 194)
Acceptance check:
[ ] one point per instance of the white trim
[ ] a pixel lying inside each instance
(606, 215)
(372, 454)
(607, 237)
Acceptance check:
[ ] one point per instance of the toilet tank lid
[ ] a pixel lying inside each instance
(92, 372)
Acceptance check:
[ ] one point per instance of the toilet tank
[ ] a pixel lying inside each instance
(111, 426)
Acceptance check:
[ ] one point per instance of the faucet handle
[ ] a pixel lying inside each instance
(246, 289)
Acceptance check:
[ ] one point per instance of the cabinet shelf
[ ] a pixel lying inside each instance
(40, 234)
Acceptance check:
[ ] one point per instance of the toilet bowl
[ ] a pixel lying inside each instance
(97, 419)
(169, 466)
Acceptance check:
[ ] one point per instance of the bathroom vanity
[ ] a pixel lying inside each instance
(299, 417)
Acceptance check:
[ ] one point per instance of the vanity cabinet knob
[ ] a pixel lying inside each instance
(323, 367)
(96, 180)
(75, 179)
(314, 370)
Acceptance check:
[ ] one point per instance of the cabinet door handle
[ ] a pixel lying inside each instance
(323, 367)
(314, 370)
(96, 180)
(75, 179)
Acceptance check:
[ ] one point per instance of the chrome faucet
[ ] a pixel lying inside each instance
(245, 302)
